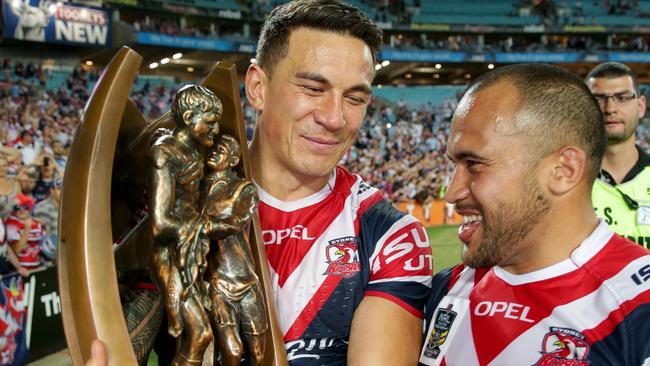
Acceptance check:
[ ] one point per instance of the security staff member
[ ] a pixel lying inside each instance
(621, 195)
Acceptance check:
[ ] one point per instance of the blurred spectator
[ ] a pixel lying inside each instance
(47, 212)
(9, 188)
(27, 180)
(60, 155)
(47, 169)
(9, 262)
(28, 148)
(25, 235)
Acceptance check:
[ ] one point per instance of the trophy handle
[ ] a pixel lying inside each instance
(87, 277)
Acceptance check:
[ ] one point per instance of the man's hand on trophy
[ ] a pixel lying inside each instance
(98, 354)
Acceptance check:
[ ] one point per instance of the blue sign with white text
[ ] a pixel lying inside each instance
(424, 56)
(449, 56)
(549, 57)
(642, 57)
(56, 22)
(209, 44)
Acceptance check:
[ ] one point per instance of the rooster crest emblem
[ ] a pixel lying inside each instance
(565, 347)
(342, 257)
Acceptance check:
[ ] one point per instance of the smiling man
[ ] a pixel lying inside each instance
(350, 273)
(543, 280)
(620, 195)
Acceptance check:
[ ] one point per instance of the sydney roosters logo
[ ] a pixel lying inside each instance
(564, 347)
(342, 257)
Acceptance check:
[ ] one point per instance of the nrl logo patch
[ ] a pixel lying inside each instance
(342, 257)
(564, 347)
(441, 325)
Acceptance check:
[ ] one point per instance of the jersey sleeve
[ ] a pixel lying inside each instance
(400, 263)
(626, 328)
(639, 332)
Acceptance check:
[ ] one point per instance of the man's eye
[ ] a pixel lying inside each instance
(622, 98)
(472, 164)
(312, 89)
(356, 100)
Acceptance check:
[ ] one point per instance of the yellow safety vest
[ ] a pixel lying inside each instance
(621, 216)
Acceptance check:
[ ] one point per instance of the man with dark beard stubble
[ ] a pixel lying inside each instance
(543, 280)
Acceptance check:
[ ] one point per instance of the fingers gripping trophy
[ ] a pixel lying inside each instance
(201, 260)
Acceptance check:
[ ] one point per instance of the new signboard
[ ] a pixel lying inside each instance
(56, 22)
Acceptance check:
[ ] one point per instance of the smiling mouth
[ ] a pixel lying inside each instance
(470, 224)
(321, 142)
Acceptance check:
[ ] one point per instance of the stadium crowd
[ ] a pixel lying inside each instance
(400, 148)
(36, 128)
(199, 27)
(425, 41)
(518, 43)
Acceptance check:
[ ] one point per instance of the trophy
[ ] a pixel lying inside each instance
(169, 201)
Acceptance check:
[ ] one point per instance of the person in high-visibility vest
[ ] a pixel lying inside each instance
(621, 195)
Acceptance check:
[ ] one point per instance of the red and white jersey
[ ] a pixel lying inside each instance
(329, 250)
(30, 255)
(590, 309)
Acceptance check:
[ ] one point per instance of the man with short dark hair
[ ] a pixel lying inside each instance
(621, 196)
(543, 280)
(349, 272)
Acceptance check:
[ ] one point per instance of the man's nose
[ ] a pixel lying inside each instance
(608, 106)
(458, 188)
(330, 112)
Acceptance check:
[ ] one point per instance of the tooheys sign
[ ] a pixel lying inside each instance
(81, 25)
(56, 22)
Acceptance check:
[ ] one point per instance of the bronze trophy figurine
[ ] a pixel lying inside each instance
(180, 246)
(189, 235)
(235, 291)
(169, 199)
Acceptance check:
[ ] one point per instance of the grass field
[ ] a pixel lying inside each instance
(445, 245)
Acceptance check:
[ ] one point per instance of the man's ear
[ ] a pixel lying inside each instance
(255, 82)
(569, 166)
(642, 106)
